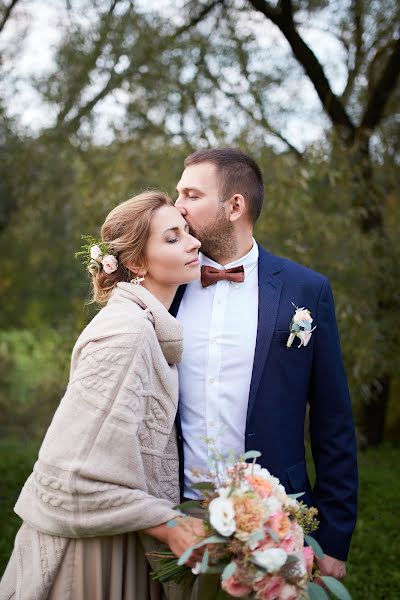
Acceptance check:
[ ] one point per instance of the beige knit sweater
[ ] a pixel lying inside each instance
(109, 461)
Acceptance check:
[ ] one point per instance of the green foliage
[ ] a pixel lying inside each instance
(17, 456)
(33, 376)
(375, 553)
(309, 217)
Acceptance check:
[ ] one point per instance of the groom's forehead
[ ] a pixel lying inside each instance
(199, 177)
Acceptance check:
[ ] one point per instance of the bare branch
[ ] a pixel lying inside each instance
(267, 10)
(116, 79)
(380, 92)
(357, 10)
(7, 14)
(196, 19)
(262, 120)
(89, 64)
(313, 68)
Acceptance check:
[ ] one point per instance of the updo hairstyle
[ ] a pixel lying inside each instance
(126, 231)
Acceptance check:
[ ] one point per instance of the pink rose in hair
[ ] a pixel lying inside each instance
(95, 252)
(110, 263)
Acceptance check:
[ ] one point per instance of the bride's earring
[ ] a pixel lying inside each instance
(136, 280)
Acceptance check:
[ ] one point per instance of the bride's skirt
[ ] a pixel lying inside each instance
(44, 567)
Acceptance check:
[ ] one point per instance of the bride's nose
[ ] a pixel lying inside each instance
(194, 243)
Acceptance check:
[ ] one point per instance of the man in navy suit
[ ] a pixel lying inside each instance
(239, 382)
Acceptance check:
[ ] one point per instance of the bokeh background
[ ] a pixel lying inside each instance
(101, 99)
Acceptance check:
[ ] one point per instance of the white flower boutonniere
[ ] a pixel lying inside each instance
(300, 327)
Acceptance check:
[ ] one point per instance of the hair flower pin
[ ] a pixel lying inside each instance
(96, 256)
(300, 327)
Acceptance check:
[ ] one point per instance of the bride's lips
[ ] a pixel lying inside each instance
(195, 261)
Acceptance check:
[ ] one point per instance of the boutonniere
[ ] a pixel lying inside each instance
(300, 327)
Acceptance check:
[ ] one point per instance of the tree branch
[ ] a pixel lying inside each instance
(114, 79)
(7, 14)
(313, 68)
(89, 64)
(196, 19)
(380, 92)
(262, 121)
(356, 9)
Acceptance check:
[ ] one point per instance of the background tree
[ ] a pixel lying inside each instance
(133, 90)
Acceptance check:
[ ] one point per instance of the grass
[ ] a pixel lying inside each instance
(373, 566)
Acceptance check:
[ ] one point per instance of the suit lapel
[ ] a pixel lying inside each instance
(177, 300)
(269, 291)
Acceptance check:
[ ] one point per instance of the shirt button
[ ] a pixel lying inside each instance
(211, 380)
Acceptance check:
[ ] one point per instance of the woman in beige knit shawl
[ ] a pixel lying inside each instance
(106, 479)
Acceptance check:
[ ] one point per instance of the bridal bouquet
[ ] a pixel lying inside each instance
(255, 537)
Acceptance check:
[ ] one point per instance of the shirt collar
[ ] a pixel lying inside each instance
(249, 260)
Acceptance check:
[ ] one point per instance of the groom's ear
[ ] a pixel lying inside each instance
(237, 207)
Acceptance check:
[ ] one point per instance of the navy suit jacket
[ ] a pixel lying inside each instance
(284, 381)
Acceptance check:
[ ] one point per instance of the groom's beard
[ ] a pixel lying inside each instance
(217, 239)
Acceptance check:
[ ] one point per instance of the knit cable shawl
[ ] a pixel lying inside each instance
(108, 463)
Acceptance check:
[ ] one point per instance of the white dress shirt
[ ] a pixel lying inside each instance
(219, 339)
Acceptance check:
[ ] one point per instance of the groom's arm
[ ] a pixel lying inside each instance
(332, 435)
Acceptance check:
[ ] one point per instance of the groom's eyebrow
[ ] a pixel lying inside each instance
(186, 190)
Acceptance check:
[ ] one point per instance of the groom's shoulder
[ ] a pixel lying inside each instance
(290, 269)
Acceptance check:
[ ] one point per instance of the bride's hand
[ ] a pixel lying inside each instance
(187, 532)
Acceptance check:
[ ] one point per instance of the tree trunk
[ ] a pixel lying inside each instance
(366, 197)
(374, 411)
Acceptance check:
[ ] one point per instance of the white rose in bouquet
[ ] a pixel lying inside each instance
(271, 559)
(222, 516)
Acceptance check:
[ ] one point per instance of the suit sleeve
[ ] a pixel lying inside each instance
(332, 435)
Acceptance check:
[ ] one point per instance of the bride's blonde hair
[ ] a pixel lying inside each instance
(126, 231)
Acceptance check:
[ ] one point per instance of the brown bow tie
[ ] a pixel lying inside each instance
(210, 275)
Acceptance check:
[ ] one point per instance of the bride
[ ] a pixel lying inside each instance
(106, 479)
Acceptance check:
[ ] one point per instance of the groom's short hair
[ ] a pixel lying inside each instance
(237, 173)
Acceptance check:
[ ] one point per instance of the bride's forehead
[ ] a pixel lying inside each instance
(168, 217)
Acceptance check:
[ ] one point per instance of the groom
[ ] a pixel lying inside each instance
(239, 383)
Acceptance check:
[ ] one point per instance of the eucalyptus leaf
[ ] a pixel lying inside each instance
(172, 523)
(229, 570)
(336, 587)
(316, 592)
(213, 539)
(251, 454)
(185, 556)
(257, 536)
(314, 545)
(292, 558)
(204, 562)
(273, 535)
